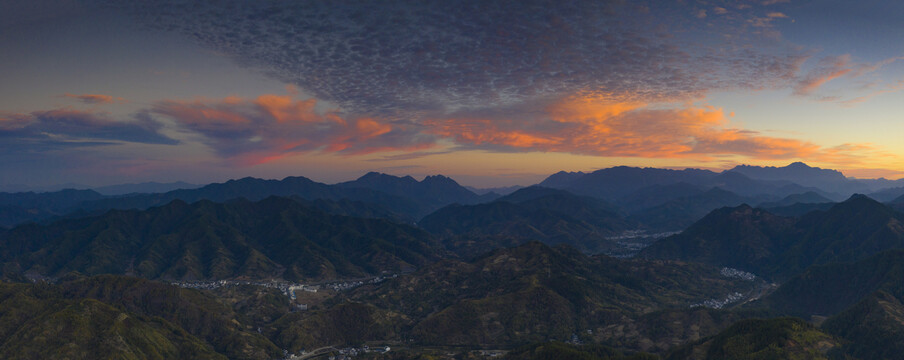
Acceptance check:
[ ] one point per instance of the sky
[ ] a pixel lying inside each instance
(491, 93)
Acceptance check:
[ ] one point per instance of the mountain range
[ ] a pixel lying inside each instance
(632, 190)
(275, 237)
(761, 263)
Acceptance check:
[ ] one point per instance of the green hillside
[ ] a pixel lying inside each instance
(44, 321)
(755, 339)
(534, 292)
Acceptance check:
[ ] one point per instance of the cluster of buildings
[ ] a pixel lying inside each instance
(738, 274)
(630, 242)
(718, 304)
(286, 288)
(210, 285)
(338, 354)
(352, 351)
(347, 285)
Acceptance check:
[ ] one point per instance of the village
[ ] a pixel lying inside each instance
(287, 288)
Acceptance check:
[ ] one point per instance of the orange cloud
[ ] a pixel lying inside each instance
(269, 127)
(595, 126)
(834, 69)
(94, 99)
(284, 108)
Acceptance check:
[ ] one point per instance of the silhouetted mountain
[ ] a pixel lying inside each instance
(794, 172)
(849, 231)
(805, 175)
(757, 241)
(767, 190)
(889, 195)
(897, 204)
(351, 208)
(877, 185)
(652, 196)
(742, 237)
(435, 191)
(16, 208)
(405, 198)
(536, 192)
(898, 200)
(561, 179)
(639, 189)
(145, 187)
(22, 188)
(257, 189)
(50, 200)
(617, 182)
(799, 209)
(809, 197)
(501, 191)
(276, 237)
(678, 214)
(534, 213)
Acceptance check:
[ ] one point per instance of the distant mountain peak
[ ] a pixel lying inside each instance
(438, 178)
(563, 172)
(742, 209)
(376, 175)
(802, 174)
(859, 201)
(784, 172)
(561, 179)
(856, 197)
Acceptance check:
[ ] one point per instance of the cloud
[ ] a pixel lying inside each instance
(827, 70)
(410, 155)
(599, 127)
(863, 98)
(402, 59)
(834, 67)
(93, 99)
(65, 128)
(259, 130)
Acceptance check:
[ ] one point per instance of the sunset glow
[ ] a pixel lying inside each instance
(485, 92)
